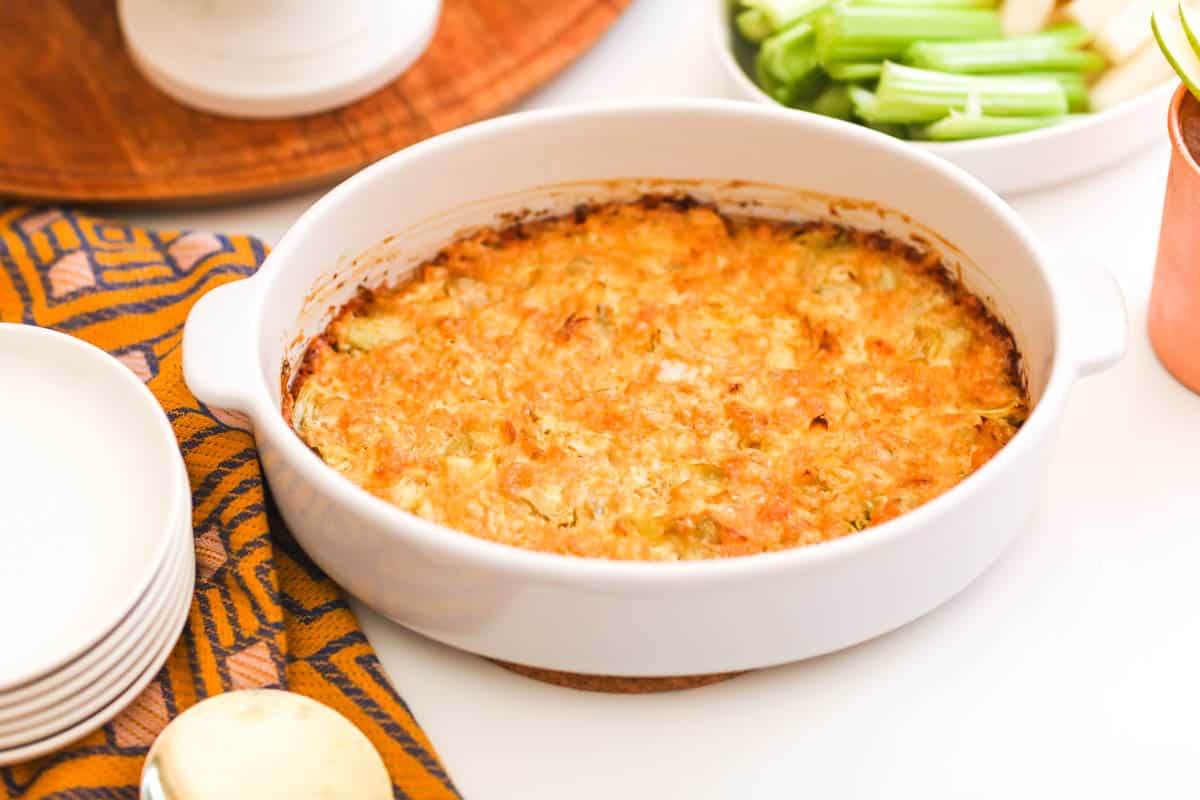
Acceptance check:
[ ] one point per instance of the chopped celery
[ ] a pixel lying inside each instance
(1019, 54)
(854, 70)
(960, 77)
(1074, 86)
(866, 106)
(891, 129)
(794, 93)
(959, 125)
(869, 33)
(909, 95)
(1068, 34)
(790, 56)
(834, 102)
(753, 25)
(779, 91)
(863, 101)
(808, 88)
(779, 15)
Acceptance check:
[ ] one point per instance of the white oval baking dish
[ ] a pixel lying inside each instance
(645, 619)
(1016, 163)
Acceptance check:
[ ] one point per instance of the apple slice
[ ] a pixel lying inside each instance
(1177, 47)
(1025, 16)
(1126, 32)
(1147, 70)
(1191, 23)
(1093, 14)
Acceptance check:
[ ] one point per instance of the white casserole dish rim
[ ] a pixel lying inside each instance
(1070, 362)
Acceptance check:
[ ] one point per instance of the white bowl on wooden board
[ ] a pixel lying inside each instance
(627, 618)
(1010, 164)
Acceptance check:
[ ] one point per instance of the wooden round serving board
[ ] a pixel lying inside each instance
(80, 124)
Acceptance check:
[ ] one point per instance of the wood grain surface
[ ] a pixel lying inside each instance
(79, 123)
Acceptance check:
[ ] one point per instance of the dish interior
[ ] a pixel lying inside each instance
(667, 416)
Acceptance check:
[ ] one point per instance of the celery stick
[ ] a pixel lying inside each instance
(909, 95)
(794, 93)
(790, 56)
(863, 101)
(806, 90)
(1068, 34)
(779, 91)
(868, 33)
(854, 70)
(898, 131)
(1074, 86)
(833, 102)
(959, 125)
(1019, 54)
(753, 25)
(782, 14)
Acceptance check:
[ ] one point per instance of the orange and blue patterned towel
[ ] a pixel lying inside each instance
(263, 614)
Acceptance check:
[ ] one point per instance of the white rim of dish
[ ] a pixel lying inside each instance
(40, 701)
(520, 563)
(171, 628)
(722, 36)
(179, 507)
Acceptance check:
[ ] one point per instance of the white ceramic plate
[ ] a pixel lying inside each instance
(92, 487)
(96, 661)
(137, 675)
(44, 700)
(1020, 162)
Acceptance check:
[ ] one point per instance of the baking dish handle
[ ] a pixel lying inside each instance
(1097, 323)
(219, 348)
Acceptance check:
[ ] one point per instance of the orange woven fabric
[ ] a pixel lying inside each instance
(263, 614)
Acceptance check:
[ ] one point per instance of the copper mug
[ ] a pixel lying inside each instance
(1175, 299)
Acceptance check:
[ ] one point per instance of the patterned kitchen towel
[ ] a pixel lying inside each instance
(263, 614)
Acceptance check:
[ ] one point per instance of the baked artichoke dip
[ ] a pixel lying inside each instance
(658, 381)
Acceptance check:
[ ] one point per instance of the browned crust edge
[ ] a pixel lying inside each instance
(929, 261)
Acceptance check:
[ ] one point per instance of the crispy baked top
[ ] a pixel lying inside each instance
(657, 381)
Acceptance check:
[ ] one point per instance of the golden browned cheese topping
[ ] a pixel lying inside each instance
(656, 381)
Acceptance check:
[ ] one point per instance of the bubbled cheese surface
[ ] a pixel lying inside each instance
(656, 381)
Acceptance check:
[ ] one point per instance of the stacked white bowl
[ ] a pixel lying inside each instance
(96, 557)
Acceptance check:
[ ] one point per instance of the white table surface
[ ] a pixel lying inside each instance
(1070, 669)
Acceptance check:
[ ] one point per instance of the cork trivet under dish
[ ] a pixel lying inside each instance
(617, 685)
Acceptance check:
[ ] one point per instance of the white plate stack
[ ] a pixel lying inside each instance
(96, 555)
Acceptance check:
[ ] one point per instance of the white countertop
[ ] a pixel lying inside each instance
(1070, 669)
